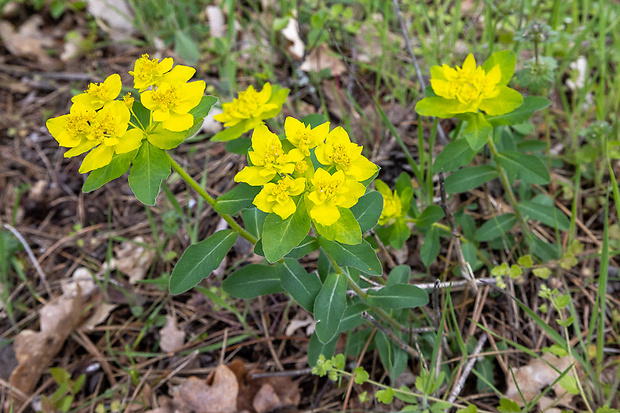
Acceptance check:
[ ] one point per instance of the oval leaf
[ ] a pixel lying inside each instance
(530, 105)
(150, 168)
(495, 227)
(361, 256)
(329, 307)
(119, 164)
(469, 178)
(397, 296)
(547, 214)
(368, 210)
(316, 348)
(280, 236)
(200, 259)
(454, 155)
(528, 168)
(252, 281)
(345, 230)
(303, 287)
(238, 198)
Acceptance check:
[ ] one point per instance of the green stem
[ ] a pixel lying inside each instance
(363, 295)
(196, 187)
(506, 184)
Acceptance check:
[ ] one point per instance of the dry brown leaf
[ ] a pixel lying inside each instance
(219, 397)
(27, 41)
(297, 47)
(133, 259)
(35, 350)
(81, 279)
(531, 379)
(296, 324)
(321, 58)
(113, 16)
(266, 399)
(172, 338)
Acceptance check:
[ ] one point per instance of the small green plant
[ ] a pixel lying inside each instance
(62, 398)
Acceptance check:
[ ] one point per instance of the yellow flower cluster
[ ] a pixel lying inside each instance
(100, 123)
(287, 173)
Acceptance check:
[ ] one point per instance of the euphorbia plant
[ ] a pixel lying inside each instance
(303, 191)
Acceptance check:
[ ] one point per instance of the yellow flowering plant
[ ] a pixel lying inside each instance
(303, 191)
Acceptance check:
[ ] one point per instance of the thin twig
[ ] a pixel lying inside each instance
(357, 364)
(406, 347)
(32, 257)
(466, 270)
(452, 285)
(470, 364)
(180, 367)
(404, 31)
(285, 373)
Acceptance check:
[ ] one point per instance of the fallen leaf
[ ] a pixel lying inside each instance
(266, 399)
(221, 396)
(115, 17)
(297, 46)
(82, 279)
(134, 260)
(321, 58)
(296, 324)
(172, 338)
(35, 350)
(531, 379)
(27, 41)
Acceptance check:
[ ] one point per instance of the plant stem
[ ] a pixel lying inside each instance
(196, 187)
(506, 184)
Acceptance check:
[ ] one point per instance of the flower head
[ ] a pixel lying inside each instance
(330, 192)
(304, 137)
(470, 88)
(338, 150)
(392, 205)
(148, 71)
(268, 158)
(173, 98)
(277, 197)
(98, 94)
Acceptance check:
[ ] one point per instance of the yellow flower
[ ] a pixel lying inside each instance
(277, 197)
(304, 137)
(392, 206)
(69, 130)
(98, 94)
(147, 71)
(330, 192)
(250, 105)
(471, 88)
(268, 158)
(338, 150)
(173, 98)
(105, 132)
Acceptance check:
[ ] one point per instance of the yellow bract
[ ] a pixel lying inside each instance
(392, 206)
(330, 192)
(173, 98)
(268, 158)
(98, 94)
(338, 150)
(147, 71)
(277, 197)
(304, 137)
(250, 105)
(469, 84)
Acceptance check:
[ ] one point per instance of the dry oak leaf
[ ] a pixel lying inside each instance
(531, 379)
(172, 338)
(27, 41)
(321, 58)
(219, 397)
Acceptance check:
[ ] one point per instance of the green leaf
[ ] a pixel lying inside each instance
(117, 167)
(303, 287)
(150, 168)
(454, 155)
(360, 375)
(437, 106)
(477, 131)
(547, 214)
(521, 114)
(506, 59)
(368, 210)
(361, 256)
(313, 120)
(280, 236)
(430, 247)
(200, 260)
(204, 107)
(508, 406)
(469, 178)
(329, 307)
(429, 216)
(398, 296)
(346, 230)
(165, 139)
(525, 261)
(240, 146)
(352, 317)
(385, 396)
(238, 198)
(528, 168)
(252, 281)
(228, 134)
(495, 227)
(254, 220)
(186, 47)
(305, 247)
(399, 275)
(316, 348)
